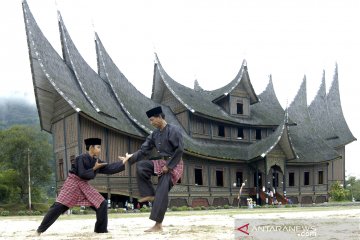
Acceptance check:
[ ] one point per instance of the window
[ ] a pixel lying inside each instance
(240, 134)
(221, 132)
(306, 178)
(239, 108)
(219, 178)
(198, 176)
(321, 177)
(61, 169)
(239, 179)
(258, 134)
(291, 179)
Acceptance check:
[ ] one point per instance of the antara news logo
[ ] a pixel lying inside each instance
(250, 230)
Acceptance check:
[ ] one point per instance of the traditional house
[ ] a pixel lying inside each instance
(231, 135)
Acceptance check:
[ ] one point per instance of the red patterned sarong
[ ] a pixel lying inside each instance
(78, 192)
(176, 173)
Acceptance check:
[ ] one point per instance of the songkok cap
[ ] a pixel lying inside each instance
(92, 141)
(154, 111)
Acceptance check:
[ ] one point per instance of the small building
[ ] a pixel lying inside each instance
(231, 135)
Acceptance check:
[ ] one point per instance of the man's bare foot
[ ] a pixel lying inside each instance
(147, 199)
(156, 228)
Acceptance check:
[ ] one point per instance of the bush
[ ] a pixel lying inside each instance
(37, 213)
(197, 208)
(42, 207)
(21, 213)
(174, 209)
(226, 206)
(121, 210)
(145, 209)
(75, 211)
(203, 208)
(212, 208)
(4, 213)
(183, 208)
(29, 212)
(112, 210)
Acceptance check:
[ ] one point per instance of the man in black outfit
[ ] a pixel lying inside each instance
(76, 190)
(168, 141)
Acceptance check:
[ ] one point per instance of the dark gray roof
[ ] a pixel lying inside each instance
(133, 102)
(188, 97)
(336, 114)
(309, 146)
(118, 104)
(52, 69)
(268, 108)
(320, 117)
(201, 102)
(241, 77)
(279, 136)
(97, 91)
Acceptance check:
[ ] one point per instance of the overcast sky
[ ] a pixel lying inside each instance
(205, 40)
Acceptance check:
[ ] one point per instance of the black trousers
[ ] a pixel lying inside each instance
(57, 209)
(145, 169)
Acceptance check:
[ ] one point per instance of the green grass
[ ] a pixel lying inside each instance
(16, 208)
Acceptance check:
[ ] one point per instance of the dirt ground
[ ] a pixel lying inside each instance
(215, 224)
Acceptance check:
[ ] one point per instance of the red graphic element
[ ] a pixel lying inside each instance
(241, 228)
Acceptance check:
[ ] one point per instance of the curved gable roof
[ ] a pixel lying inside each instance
(336, 114)
(92, 86)
(133, 102)
(268, 108)
(241, 78)
(200, 102)
(309, 146)
(319, 114)
(189, 98)
(279, 136)
(52, 69)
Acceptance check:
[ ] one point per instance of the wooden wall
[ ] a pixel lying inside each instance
(73, 129)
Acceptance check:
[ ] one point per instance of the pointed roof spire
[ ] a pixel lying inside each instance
(309, 145)
(336, 114)
(242, 77)
(197, 86)
(318, 110)
(269, 105)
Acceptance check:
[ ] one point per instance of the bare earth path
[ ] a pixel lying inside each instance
(215, 224)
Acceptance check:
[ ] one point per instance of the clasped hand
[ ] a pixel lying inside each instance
(126, 158)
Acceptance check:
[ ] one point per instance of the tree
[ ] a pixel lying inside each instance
(8, 187)
(338, 193)
(353, 185)
(14, 145)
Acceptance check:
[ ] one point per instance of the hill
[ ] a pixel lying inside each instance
(17, 111)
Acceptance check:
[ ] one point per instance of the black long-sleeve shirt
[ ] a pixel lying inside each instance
(84, 163)
(168, 143)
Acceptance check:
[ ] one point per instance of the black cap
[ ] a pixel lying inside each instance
(154, 111)
(92, 141)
